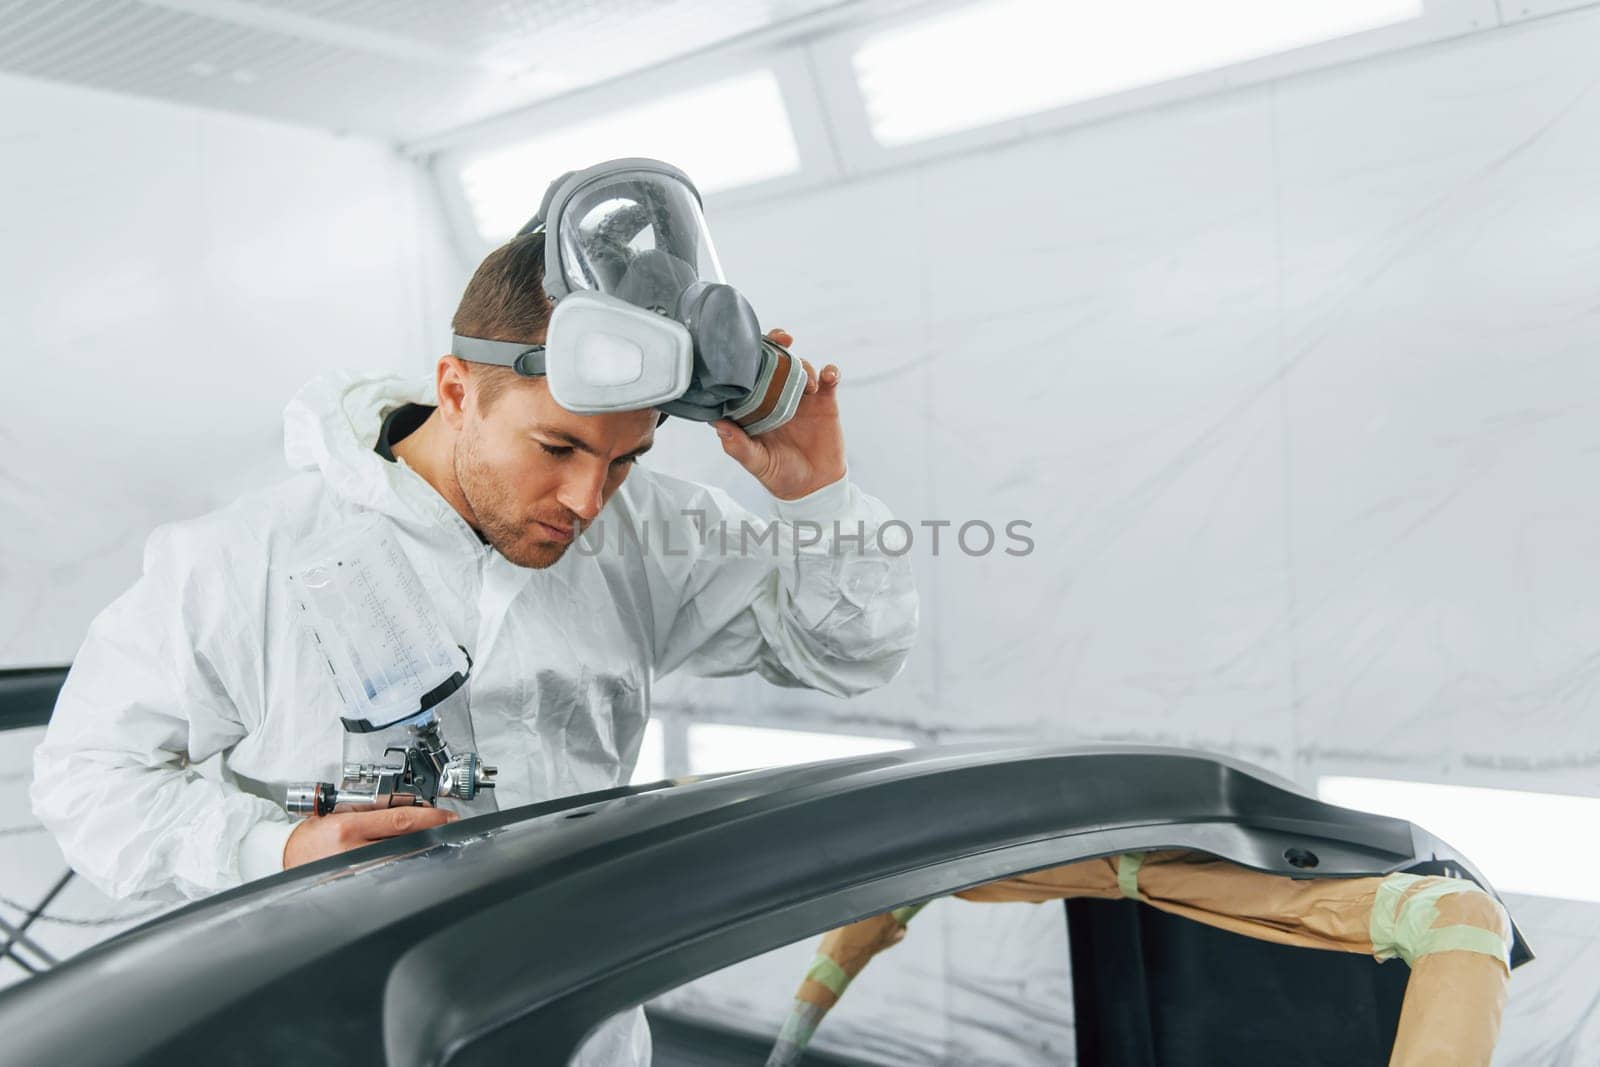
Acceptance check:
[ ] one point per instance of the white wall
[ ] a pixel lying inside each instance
(168, 278)
(1299, 386)
(1295, 384)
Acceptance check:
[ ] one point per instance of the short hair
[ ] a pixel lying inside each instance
(504, 301)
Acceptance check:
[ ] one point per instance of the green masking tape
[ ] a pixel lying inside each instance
(1403, 926)
(829, 974)
(1128, 866)
(906, 914)
(1463, 938)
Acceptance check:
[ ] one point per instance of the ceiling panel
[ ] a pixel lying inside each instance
(397, 69)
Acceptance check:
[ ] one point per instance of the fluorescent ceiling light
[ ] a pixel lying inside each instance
(1535, 843)
(994, 61)
(716, 747)
(652, 762)
(726, 134)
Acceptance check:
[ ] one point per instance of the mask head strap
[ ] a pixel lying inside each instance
(536, 224)
(526, 360)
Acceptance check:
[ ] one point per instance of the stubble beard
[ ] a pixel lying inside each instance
(491, 503)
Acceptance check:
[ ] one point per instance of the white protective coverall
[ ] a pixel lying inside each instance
(203, 655)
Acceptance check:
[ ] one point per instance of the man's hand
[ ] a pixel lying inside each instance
(328, 835)
(805, 453)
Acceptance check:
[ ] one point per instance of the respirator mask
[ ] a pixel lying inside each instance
(643, 316)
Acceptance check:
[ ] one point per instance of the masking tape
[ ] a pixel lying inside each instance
(829, 975)
(906, 914)
(1128, 866)
(1402, 925)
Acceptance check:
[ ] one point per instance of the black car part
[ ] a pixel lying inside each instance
(512, 936)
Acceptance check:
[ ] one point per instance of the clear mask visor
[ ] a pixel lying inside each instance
(637, 235)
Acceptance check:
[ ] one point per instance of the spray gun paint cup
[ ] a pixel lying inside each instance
(393, 664)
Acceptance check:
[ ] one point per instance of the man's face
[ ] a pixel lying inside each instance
(535, 475)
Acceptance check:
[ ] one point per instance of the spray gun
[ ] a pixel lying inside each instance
(418, 773)
(372, 622)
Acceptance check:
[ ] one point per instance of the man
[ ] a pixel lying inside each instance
(488, 491)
